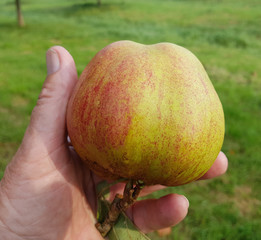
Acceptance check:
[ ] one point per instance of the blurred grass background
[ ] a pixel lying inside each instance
(226, 37)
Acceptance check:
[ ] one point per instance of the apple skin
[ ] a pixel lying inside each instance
(146, 112)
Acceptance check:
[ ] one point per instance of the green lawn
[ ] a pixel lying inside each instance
(226, 37)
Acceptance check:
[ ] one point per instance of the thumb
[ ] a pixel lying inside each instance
(46, 133)
(48, 120)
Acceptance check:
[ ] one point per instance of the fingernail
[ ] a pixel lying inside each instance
(187, 201)
(52, 61)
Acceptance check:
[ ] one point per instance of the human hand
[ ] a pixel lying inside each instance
(48, 193)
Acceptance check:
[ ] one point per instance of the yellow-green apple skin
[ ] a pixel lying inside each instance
(146, 112)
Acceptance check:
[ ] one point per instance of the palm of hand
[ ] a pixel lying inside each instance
(46, 192)
(47, 195)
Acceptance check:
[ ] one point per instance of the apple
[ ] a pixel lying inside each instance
(146, 112)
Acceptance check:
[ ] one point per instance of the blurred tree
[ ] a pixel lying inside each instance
(20, 18)
(99, 2)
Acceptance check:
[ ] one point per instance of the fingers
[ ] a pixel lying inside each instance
(218, 168)
(154, 214)
(48, 117)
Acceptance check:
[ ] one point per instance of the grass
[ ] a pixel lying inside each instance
(225, 35)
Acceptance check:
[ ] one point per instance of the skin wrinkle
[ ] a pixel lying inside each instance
(40, 130)
(38, 197)
(26, 224)
(7, 232)
(53, 190)
(31, 181)
(33, 130)
(49, 90)
(39, 176)
(3, 222)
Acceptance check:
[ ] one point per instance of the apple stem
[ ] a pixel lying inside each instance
(120, 204)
